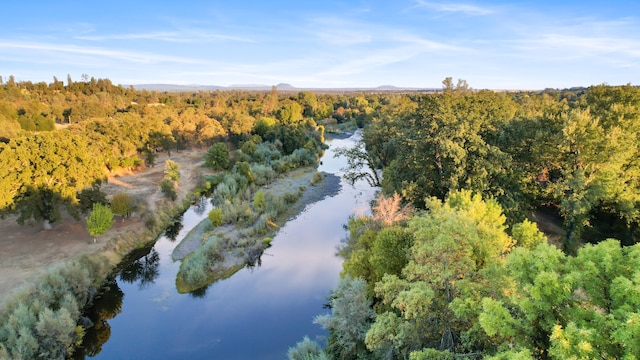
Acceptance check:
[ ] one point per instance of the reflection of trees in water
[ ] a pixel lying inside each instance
(144, 269)
(200, 293)
(200, 206)
(173, 230)
(105, 307)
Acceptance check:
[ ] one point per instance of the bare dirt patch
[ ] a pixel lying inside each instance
(27, 251)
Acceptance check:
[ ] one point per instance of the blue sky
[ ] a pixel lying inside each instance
(413, 43)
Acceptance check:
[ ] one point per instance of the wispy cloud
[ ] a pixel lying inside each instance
(129, 56)
(455, 8)
(170, 36)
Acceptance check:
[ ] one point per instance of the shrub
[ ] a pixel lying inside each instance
(291, 198)
(259, 201)
(266, 153)
(215, 216)
(122, 204)
(244, 168)
(317, 178)
(195, 267)
(306, 349)
(275, 204)
(90, 196)
(263, 174)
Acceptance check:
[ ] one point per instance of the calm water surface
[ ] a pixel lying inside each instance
(255, 314)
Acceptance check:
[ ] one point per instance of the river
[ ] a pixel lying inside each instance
(258, 313)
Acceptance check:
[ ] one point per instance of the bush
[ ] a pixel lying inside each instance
(259, 201)
(263, 174)
(248, 147)
(215, 216)
(195, 267)
(90, 196)
(306, 349)
(122, 204)
(266, 153)
(244, 168)
(291, 198)
(41, 323)
(317, 178)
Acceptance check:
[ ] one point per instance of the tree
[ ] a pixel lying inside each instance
(454, 245)
(168, 188)
(172, 170)
(350, 319)
(122, 204)
(360, 165)
(45, 170)
(217, 156)
(306, 349)
(99, 221)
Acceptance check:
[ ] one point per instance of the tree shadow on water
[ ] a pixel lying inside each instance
(144, 269)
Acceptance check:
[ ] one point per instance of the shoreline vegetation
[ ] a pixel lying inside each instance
(79, 134)
(565, 158)
(211, 253)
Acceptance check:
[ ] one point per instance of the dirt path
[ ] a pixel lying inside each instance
(27, 251)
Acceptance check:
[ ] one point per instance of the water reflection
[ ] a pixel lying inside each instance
(106, 306)
(173, 230)
(145, 270)
(271, 306)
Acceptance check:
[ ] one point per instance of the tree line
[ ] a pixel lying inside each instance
(59, 141)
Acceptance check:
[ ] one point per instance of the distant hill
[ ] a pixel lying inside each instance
(261, 87)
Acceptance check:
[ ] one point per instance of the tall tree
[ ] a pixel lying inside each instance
(46, 170)
(99, 221)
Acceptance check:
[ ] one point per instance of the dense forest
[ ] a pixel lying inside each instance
(450, 266)
(451, 263)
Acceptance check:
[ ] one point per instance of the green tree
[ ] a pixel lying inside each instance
(99, 221)
(45, 170)
(217, 156)
(244, 168)
(168, 188)
(360, 165)
(172, 170)
(122, 204)
(454, 247)
(564, 307)
(306, 349)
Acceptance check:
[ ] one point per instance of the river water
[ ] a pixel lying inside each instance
(258, 313)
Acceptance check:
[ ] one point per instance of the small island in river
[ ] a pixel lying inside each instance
(217, 252)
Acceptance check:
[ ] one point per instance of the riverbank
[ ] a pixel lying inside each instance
(27, 252)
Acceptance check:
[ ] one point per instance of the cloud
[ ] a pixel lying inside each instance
(455, 8)
(128, 56)
(189, 36)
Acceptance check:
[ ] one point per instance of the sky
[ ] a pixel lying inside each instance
(325, 44)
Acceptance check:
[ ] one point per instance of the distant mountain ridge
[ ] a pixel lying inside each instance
(261, 87)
